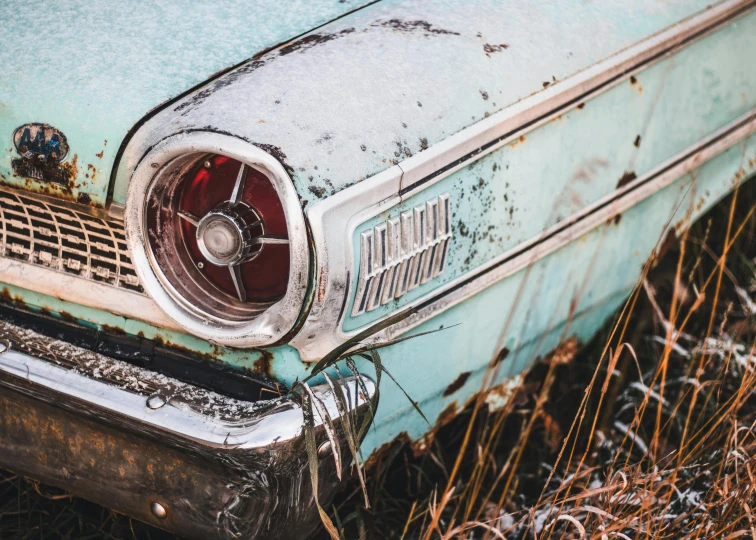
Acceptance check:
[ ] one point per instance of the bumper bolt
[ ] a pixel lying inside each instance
(158, 510)
(155, 401)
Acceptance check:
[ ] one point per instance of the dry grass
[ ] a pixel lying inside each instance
(647, 433)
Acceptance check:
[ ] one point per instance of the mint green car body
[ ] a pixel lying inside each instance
(109, 75)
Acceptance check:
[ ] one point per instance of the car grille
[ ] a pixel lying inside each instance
(65, 240)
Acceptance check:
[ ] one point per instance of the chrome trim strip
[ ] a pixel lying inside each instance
(577, 225)
(197, 415)
(530, 251)
(84, 292)
(277, 320)
(459, 150)
(334, 220)
(116, 211)
(332, 223)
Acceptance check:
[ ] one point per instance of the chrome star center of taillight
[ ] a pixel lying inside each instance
(232, 233)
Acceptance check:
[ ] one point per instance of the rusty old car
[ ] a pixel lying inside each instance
(203, 205)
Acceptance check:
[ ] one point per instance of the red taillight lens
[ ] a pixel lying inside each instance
(221, 237)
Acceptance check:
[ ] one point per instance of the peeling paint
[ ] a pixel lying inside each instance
(458, 383)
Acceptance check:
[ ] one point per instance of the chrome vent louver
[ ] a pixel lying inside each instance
(403, 253)
(65, 240)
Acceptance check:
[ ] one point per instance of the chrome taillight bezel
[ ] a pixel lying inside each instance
(169, 157)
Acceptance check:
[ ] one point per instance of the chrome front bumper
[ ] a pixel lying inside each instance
(171, 454)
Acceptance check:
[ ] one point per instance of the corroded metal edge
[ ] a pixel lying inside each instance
(127, 437)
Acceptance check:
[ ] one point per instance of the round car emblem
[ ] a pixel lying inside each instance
(41, 141)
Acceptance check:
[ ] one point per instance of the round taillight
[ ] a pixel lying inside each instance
(219, 241)
(221, 237)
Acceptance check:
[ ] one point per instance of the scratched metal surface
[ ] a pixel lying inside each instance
(93, 70)
(374, 87)
(515, 193)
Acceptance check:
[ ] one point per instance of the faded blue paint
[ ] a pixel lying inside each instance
(515, 193)
(93, 70)
(341, 88)
(595, 273)
(378, 85)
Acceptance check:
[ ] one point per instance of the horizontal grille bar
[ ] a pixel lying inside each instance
(65, 240)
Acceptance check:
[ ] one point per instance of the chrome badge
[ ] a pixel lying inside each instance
(42, 149)
(406, 251)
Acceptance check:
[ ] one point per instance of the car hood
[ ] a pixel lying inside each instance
(92, 70)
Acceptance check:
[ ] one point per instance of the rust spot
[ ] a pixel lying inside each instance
(458, 383)
(501, 356)
(83, 198)
(626, 178)
(546, 83)
(484, 95)
(66, 316)
(414, 26)
(490, 49)
(262, 365)
(563, 353)
(313, 40)
(318, 191)
(48, 177)
(423, 144)
(514, 143)
(447, 415)
(47, 171)
(386, 449)
(207, 356)
(637, 141)
(100, 154)
(322, 281)
(8, 298)
(633, 80)
(113, 330)
(580, 105)
(277, 153)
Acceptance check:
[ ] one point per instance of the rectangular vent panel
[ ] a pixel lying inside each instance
(65, 240)
(403, 253)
